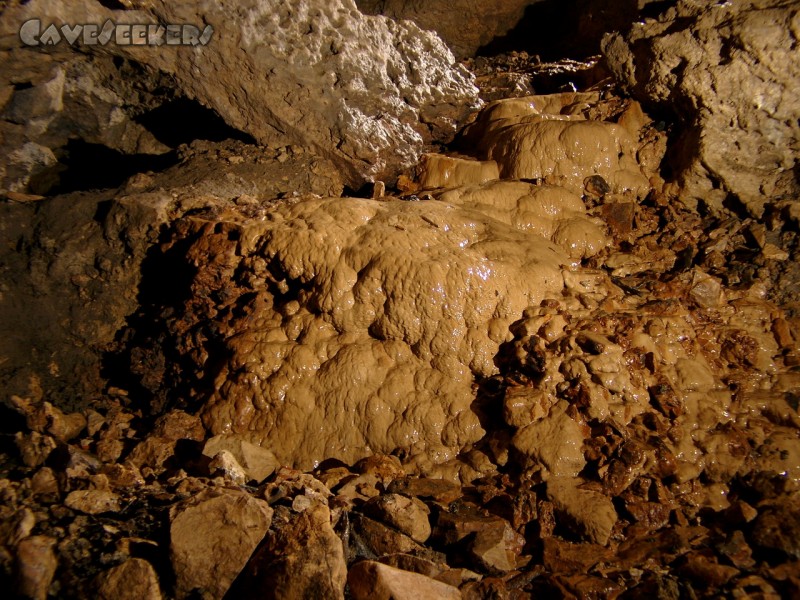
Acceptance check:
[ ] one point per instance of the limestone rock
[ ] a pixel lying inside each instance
(365, 91)
(369, 580)
(495, 548)
(590, 513)
(302, 558)
(135, 579)
(729, 73)
(36, 565)
(63, 97)
(258, 463)
(380, 539)
(212, 536)
(409, 515)
(93, 502)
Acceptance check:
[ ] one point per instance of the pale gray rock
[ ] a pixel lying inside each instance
(729, 72)
(367, 92)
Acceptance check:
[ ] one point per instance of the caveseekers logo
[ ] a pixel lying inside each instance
(32, 33)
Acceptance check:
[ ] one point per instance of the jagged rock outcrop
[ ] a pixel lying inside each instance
(367, 92)
(729, 73)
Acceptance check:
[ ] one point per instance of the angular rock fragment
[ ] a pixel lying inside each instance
(36, 564)
(135, 579)
(212, 536)
(300, 558)
(408, 515)
(93, 502)
(258, 463)
(370, 580)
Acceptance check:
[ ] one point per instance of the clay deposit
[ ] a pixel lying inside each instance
(366, 323)
(546, 138)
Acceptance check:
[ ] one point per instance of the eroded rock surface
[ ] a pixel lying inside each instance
(728, 72)
(366, 92)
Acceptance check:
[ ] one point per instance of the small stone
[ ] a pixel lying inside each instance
(179, 425)
(415, 564)
(123, 476)
(212, 536)
(706, 571)
(596, 186)
(93, 502)
(34, 447)
(438, 490)
(135, 579)
(778, 528)
(381, 539)
(258, 463)
(369, 580)
(408, 515)
(153, 452)
(385, 468)
(590, 513)
(226, 464)
(772, 252)
(44, 483)
(36, 566)
(495, 548)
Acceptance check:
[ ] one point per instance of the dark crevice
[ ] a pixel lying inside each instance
(182, 121)
(555, 29)
(85, 166)
(113, 4)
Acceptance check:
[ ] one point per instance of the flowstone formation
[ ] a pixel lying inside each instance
(351, 326)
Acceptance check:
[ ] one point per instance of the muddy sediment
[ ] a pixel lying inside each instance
(534, 364)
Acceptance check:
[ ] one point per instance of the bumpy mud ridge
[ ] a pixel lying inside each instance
(531, 368)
